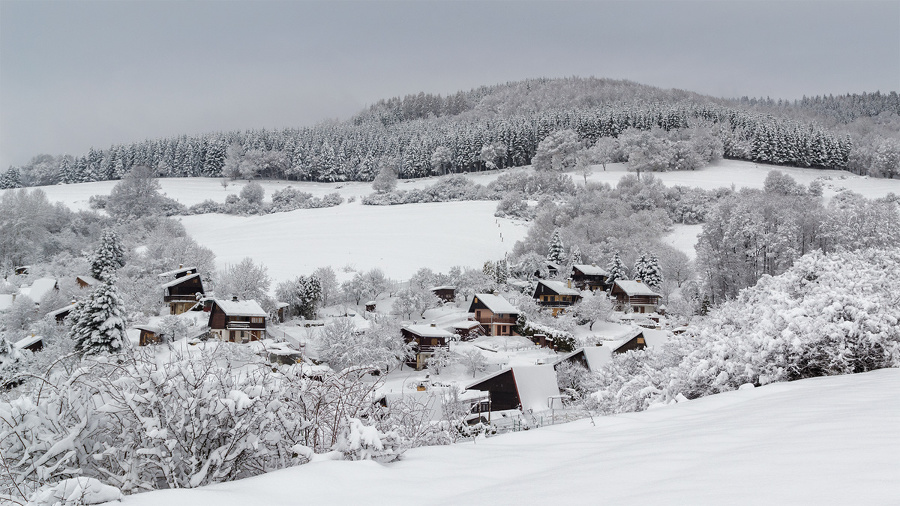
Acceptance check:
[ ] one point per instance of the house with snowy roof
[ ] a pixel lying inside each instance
(530, 388)
(237, 321)
(39, 289)
(149, 334)
(636, 294)
(495, 314)
(427, 339)
(33, 343)
(183, 290)
(85, 281)
(60, 315)
(556, 295)
(590, 277)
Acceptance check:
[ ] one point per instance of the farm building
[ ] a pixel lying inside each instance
(495, 314)
(445, 293)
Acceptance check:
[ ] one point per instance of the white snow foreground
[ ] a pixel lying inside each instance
(830, 440)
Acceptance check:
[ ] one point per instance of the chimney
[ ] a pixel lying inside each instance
(234, 298)
(434, 325)
(569, 282)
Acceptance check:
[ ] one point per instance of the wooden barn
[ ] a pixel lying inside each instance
(237, 321)
(31, 343)
(638, 295)
(556, 295)
(530, 388)
(445, 293)
(184, 291)
(427, 338)
(495, 314)
(149, 335)
(590, 277)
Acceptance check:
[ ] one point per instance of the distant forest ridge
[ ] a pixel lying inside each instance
(423, 134)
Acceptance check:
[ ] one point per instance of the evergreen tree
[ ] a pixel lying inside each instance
(555, 253)
(616, 269)
(641, 268)
(652, 273)
(97, 324)
(108, 257)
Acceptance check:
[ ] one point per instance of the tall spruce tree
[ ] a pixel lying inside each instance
(616, 269)
(108, 257)
(556, 253)
(653, 274)
(641, 268)
(97, 324)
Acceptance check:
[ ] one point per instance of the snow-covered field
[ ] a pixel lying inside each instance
(820, 441)
(400, 239)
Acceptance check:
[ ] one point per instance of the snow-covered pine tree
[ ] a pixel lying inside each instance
(616, 269)
(108, 257)
(641, 268)
(555, 253)
(97, 324)
(652, 273)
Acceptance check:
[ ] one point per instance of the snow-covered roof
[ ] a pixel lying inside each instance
(240, 307)
(442, 287)
(466, 324)
(635, 288)
(176, 271)
(39, 289)
(428, 331)
(559, 287)
(496, 303)
(536, 385)
(56, 312)
(88, 280)
(26, 342)
(591, 270)
(148, 328)
(180, 280)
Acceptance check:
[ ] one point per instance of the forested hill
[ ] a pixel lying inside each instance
(501, 126)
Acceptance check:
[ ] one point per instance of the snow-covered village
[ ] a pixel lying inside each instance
(270, 277)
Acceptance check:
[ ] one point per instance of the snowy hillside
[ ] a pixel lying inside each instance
(820, 441)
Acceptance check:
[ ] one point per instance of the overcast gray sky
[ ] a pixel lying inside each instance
(77, 74)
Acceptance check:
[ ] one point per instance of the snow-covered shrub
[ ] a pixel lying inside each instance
(358, 441)
(80, 491)
(827, 315)
(513, 205)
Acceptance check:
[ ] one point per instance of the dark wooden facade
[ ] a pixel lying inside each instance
(503, 390)
(635, 343)
(149, 335)
(426, 341)
(183, 295)
(641, 302)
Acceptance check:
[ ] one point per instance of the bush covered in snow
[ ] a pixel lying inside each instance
(826, 315)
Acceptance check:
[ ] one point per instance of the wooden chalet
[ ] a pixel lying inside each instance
(590, 277)
(237, 321)
(638, 295)
(594, 357)
(427, 338)
(60, 315)
(370, 306)
(495, 314)
(85, 281)
(549, 270)
(445, 293)
(529, 388)
(183, 291)
(149, 335)
(556, 295)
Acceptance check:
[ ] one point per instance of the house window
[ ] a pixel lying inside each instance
(477, 315)
(256, 319)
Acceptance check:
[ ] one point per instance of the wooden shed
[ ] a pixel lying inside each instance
(149, 335)
(529, 388)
